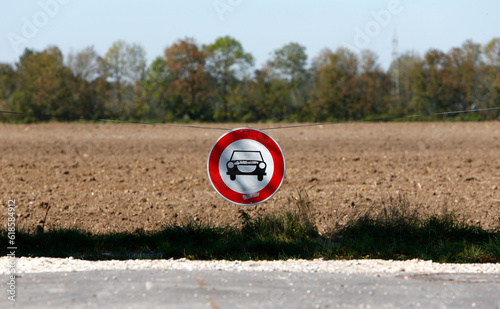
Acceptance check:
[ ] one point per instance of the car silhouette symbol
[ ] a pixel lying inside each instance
(246, 162)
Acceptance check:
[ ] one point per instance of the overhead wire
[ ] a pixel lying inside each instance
(383, 119)
(263, 129)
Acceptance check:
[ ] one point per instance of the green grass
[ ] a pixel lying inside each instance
(393, 232)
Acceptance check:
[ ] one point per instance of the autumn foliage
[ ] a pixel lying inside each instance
(219, 82)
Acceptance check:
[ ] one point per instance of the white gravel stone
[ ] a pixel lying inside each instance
(375, 267)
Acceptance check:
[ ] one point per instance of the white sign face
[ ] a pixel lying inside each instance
(247, 155)
(246, 166)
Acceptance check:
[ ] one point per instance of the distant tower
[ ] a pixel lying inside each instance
(395, 68)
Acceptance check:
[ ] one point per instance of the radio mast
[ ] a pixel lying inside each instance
(395, 68)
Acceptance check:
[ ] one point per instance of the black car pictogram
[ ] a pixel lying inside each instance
(246, 162)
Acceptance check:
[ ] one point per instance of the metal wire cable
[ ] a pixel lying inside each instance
(269, 128)
(113, 120)
(385, 118)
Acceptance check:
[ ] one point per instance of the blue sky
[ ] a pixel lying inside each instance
(261, 26)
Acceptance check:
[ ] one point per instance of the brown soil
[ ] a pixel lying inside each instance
(124, 177)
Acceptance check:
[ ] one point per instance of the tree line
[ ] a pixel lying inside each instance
(218, 82)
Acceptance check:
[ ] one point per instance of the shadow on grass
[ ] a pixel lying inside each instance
(396, 232)
(393, 233)
(273, 237)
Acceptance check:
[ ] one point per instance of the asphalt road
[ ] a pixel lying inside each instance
(223, 289)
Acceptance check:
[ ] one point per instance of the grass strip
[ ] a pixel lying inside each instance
(394, 233)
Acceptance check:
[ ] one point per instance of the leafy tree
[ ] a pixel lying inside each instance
(492, 52)
(124, 65)
(490, 73)
(7, 84)
(257, 108)
(155, 100)
(227, 61)
(44, 85)
(374, 87)
(334, 94)
(449, 81)
(289, 64)
(85, 64)
(430, 90)
(460, 75)
(91, 89)
(407, 66)
(189, 91)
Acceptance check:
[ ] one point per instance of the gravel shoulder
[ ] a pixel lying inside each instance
(376, 267)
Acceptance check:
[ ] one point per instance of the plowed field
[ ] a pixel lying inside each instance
(125, 177)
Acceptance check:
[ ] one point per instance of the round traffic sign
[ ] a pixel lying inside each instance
(246, 166)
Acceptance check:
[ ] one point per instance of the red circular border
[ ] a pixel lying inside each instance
(228, 193)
